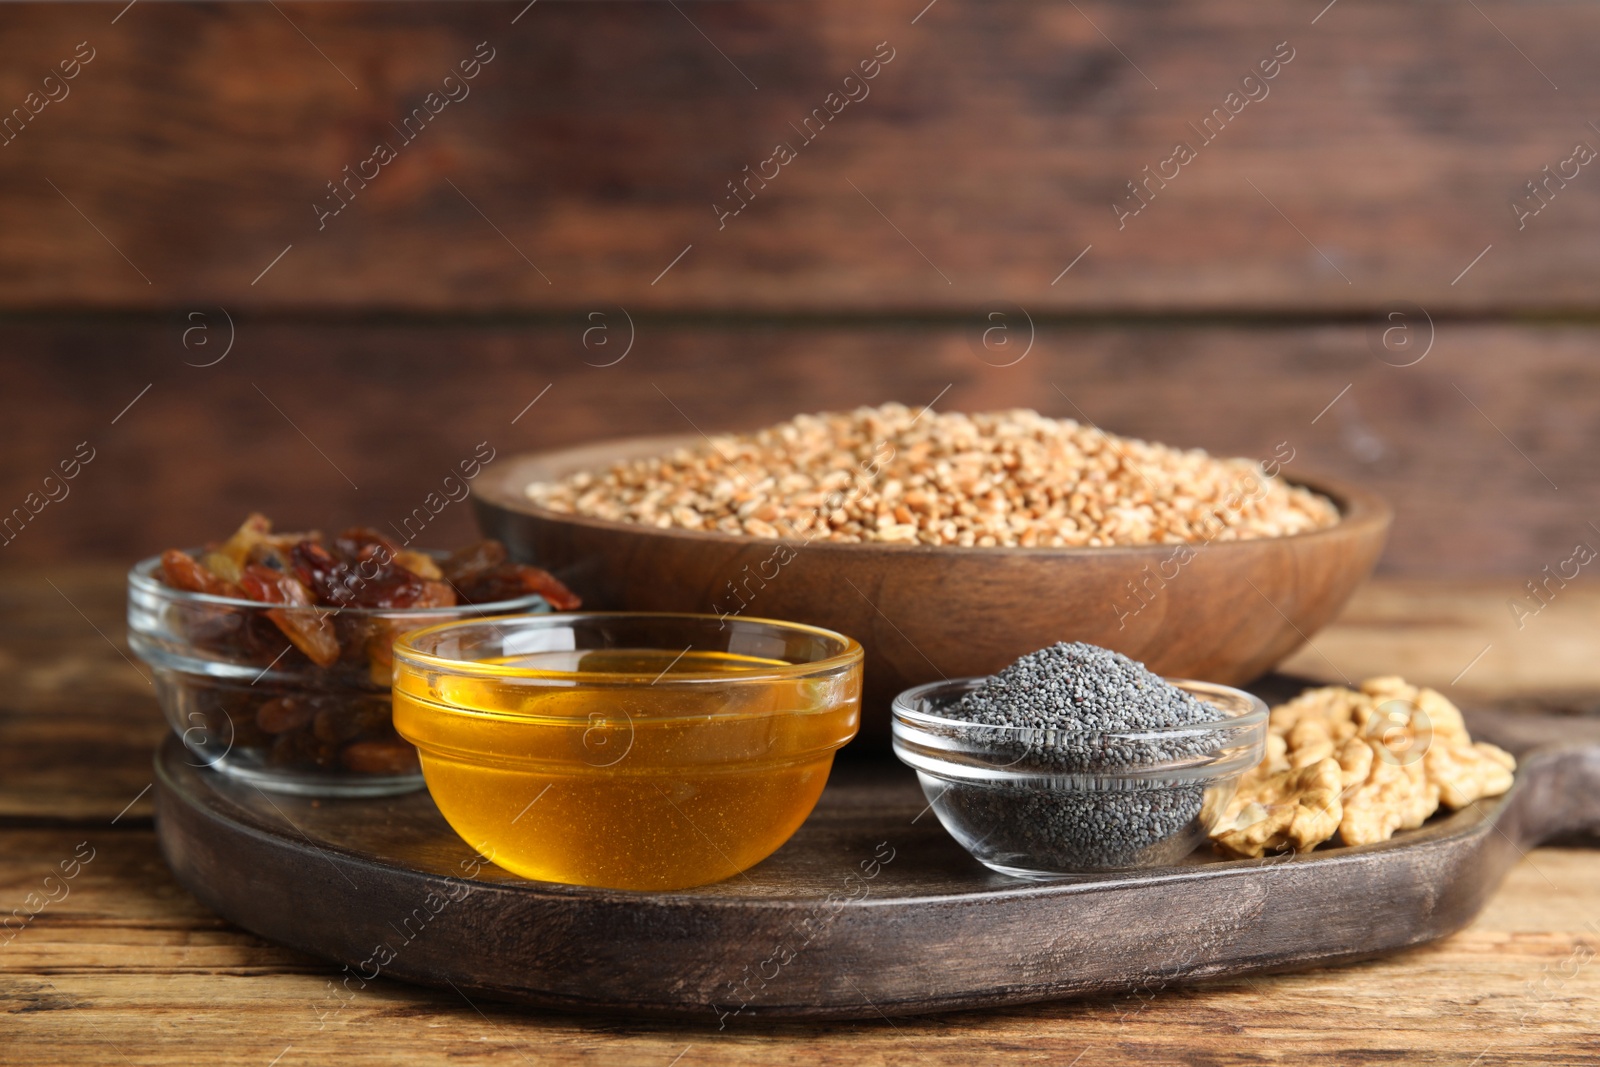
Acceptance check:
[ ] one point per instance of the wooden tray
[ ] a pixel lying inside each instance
(871, 909)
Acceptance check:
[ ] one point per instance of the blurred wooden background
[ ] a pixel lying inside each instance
(163, 207)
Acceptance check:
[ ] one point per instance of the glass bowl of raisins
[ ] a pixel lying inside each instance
(272, 652)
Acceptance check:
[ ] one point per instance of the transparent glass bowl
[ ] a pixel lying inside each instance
(1025, 804)
(248, 703)
(630, 751)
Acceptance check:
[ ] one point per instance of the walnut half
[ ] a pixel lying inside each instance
(1360, 763)
(1295, 809)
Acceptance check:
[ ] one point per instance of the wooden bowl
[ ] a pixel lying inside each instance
(922, 613)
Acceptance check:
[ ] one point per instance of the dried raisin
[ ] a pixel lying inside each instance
(379, 757)
(182, 571)
(508, 581)
(308, 628)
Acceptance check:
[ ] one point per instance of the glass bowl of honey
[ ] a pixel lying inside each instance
(626, 750)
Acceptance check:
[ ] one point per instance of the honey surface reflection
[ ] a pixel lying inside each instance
(627, 768)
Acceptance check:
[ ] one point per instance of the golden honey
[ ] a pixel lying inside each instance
(627, 768)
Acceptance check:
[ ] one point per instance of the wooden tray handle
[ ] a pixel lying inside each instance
(1558, 770)
(1560, 795)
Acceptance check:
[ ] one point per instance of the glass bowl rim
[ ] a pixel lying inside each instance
(902, 711)
(921, 741)
(406, 652)
(141, 577)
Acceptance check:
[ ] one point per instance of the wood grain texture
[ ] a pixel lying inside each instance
(923, 613)
(1465, 639)
(598, 140)
(298, 408)
(130, 966)
(78, 717)
(863, 913)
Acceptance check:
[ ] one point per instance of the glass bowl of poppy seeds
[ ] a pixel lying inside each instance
(1076, 759)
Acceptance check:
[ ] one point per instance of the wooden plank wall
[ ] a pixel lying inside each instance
(175, 196)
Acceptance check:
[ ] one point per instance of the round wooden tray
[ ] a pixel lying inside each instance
(871, 909)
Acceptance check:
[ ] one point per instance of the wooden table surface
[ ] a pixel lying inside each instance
(121, 966)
